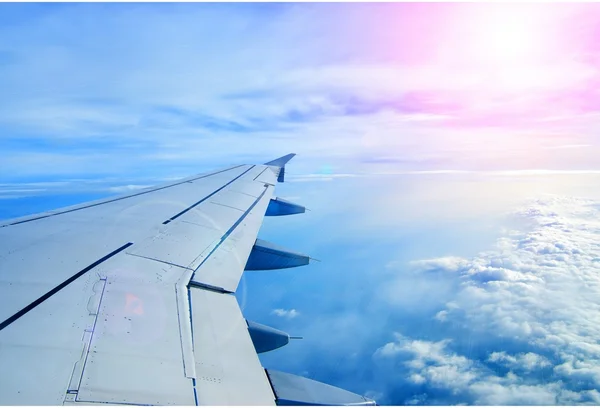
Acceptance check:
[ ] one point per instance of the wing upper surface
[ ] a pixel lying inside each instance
(107, 282)
(129, 300)
(162, 224)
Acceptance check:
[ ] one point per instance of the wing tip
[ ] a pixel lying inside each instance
(281, 161)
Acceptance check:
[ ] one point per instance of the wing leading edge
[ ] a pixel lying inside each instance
(135, 298)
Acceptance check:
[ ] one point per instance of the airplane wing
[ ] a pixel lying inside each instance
(130, 300)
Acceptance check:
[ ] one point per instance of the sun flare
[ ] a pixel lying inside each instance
(508, 37)
(507, 44)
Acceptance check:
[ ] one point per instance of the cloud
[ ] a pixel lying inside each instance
(531, 305)
(522, 361)
(97, 186)
(128, 187)
(289, 314)
(446, 264)
(299, 178)
(157, 97)
(568, 146)
(433, 365)
(303, 178)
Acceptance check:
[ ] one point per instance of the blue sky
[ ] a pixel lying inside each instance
(453, 203)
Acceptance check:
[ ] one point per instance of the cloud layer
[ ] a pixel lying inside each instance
(522, 326)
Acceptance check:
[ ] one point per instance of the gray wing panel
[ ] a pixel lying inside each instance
(215, 238)
(106, 284)
(38, 254)
(38, 352)
(135, 352)
(220, 176)
(224, 268)
(227, 366)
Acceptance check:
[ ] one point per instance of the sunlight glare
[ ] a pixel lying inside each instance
(508, 43)
(507, 37)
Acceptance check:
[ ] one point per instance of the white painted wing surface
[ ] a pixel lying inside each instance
(95, 304)
(130, 300)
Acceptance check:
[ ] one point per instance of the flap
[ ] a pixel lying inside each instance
(227, 367)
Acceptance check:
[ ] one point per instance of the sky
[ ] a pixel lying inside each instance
(447, 152)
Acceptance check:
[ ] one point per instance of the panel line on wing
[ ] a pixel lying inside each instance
(79, 367)
(58, 288)
(185, 325)
(199, 225)
(229, 232)
(260, 174)
(120, 198)
(206, 286)
(205, 198)
(194, 384)
(229, 206)
(241, 192)
(159, 260)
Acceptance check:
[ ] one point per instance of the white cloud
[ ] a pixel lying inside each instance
(303, 178)
(101, 186)
(289, 314)
(523, 361)
(433, 364)
(446, 264)
(541, 172)
(441, 172)
(441, 315)
(536, 291)
(128, 187)
(568, 146)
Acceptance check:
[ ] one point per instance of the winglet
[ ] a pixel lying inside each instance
(281, 162)
(279, 165)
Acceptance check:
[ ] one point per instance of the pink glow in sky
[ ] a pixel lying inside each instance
(419, 80)
(495, 64)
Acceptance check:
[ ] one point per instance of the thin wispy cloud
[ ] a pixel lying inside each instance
(569, 146)
(342, 95)
(289, 314)
(128, 187)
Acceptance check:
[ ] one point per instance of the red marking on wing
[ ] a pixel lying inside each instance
(134, 304)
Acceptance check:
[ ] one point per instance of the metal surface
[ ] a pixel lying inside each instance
(47, 251)
(175, 192)
(266, 338)
(127, 300)
(38, 352)
(279, 206)
(135, 353)
(180, 244)
(267, 256)
(224, 262)
(295, 390)
(227, 367)
(126, 342)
